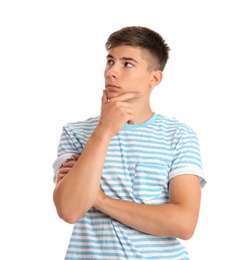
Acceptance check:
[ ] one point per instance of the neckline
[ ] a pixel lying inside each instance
(149, 121)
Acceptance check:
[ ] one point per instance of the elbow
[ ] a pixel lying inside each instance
(67, 213)
(68, 216)
(66, 210)
(186, 234)
(181, 230)
(186, 224)
(186, 231)
(71, 214)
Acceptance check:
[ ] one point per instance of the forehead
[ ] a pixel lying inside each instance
(125, 51)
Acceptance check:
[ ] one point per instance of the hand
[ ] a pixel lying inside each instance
(116, 112)
(66, 167)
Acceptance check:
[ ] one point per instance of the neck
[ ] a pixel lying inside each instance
(142, 112)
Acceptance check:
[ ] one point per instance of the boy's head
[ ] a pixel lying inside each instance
(154, 48)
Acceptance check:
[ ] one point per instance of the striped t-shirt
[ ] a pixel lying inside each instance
(140, 161)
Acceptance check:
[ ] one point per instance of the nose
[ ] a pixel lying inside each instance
(112, 72)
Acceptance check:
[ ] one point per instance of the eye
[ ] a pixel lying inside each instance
(110, 62)
(128, 65)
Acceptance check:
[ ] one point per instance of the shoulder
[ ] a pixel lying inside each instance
(86, 124)
(174, 125)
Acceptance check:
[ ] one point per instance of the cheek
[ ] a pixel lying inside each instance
(142, 83)
(105, 72)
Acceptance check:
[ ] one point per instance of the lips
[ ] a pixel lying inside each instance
(111, 87)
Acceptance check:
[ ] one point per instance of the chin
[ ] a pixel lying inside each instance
(111, 95)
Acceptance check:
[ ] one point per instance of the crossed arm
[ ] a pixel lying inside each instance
(75, 194)
(78, 189)
(177, 219)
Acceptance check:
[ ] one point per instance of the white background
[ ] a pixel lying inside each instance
(52, 58)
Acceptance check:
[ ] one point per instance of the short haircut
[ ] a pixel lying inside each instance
(151, 42)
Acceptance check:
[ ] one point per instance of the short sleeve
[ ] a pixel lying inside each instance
(186, 154)
(68, 146)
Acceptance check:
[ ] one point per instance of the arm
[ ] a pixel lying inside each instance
(76, 193)
(176, 219)
(65, 168)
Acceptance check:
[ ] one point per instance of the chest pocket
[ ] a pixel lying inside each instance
(149, 180)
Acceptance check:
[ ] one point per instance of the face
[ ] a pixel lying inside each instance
(127, 71)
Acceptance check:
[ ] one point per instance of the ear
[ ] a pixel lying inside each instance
(156, 78)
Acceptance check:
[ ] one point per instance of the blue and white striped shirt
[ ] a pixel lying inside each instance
(140, 161)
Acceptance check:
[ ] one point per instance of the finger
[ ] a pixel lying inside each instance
(70, 162)
(104, 98)
(129, 112)
(127, 108)
(76, 156)
(60, 176)
(130, 117)
(64, 170)
(126, 96)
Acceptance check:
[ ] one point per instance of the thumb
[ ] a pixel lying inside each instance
(76, 156)
(104, 98)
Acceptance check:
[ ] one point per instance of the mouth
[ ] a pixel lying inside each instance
(111, 87)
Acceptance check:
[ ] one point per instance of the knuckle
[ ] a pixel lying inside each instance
(115, 103)
(111, 101)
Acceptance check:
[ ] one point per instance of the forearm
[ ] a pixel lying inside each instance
(176, 219)
(159, 220)
(77, 191)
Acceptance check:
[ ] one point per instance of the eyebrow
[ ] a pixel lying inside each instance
(123, 58)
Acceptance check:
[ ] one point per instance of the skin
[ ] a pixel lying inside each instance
(128, 85)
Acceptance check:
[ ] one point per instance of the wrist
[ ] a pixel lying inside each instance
(102, 132)
(100, 201)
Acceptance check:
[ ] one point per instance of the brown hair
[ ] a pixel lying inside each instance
(148, 40)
